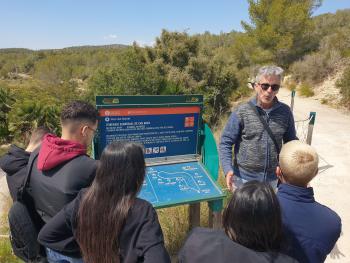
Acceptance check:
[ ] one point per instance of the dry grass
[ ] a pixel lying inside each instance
(6, 254)
(289, 83)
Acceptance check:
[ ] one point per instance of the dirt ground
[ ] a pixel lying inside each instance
(331, 138)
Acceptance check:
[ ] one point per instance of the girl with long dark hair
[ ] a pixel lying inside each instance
(252, 230)
(107, 221)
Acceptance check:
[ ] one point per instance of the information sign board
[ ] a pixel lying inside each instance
(179, 183)
(165, 130)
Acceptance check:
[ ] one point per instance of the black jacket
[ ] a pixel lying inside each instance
(141, 239)
(14, 164)
(51, 190)
(207, 245)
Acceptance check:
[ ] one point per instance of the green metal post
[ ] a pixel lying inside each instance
(311, 127)
(292, 101)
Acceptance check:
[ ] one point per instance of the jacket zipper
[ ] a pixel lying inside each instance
(267, 146)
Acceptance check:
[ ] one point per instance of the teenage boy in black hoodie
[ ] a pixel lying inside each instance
(15, 161)
(61, 167)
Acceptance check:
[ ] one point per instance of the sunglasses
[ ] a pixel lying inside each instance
(93, 130)
(266, 86)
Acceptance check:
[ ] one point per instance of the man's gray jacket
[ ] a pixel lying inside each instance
(254, 151)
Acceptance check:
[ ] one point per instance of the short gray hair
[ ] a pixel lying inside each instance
(269, 71)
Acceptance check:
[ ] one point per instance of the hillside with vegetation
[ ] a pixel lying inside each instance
(35, 84)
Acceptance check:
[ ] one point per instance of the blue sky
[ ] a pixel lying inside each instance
(40, 24)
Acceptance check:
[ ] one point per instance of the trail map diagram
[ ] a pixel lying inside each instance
(178, 183)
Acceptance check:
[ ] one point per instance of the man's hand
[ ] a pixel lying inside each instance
(229, 179)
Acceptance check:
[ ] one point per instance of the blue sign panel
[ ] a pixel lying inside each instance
(179, 183)
(163, 131)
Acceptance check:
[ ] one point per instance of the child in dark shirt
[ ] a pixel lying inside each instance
(311, 229)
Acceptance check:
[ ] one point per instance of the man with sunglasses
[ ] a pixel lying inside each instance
(255, 153)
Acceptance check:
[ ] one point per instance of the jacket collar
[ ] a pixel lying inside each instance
(18, 151)
(296, 193)
(276, 103)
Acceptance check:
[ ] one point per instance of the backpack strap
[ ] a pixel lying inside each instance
(267, 128)
(26, 180)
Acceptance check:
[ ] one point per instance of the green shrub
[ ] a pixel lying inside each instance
(314, 68)
(4, 149)
(324, 101)
(305, 90)
(344, 85)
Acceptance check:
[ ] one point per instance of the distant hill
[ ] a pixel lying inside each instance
(88, 47)
(15, 50)
(74, 48)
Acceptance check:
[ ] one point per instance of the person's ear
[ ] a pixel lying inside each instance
(83, 130)
(279, 173)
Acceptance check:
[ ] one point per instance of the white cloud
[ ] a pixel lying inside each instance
(110, 36)
(145, 44)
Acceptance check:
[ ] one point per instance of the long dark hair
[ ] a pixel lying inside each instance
(105, 206)
(253, 217)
